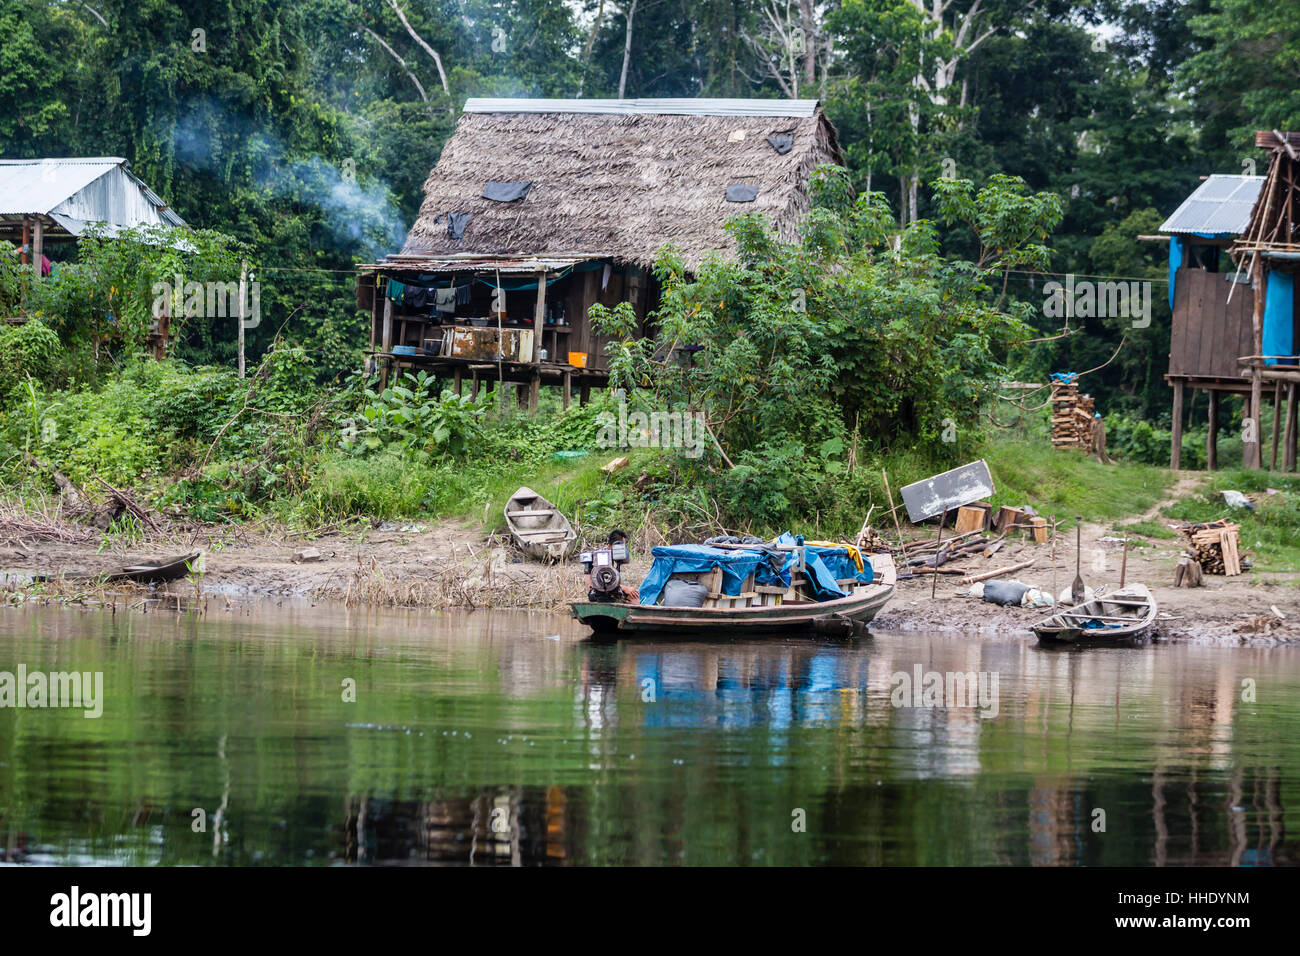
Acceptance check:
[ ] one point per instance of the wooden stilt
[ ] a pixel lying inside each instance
(568, 388)
(1212, 434)
(473, 389)
(534, 390)
(1176, 438)
(386, 343)
(1277, 420)
(584, 394)
(456, 380)
(1289, 433)
(1252, 452)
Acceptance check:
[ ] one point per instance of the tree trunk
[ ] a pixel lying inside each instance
(627, 50)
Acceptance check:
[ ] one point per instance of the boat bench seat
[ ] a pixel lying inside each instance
(539, 512)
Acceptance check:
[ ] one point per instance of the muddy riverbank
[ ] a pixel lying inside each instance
(455, 565)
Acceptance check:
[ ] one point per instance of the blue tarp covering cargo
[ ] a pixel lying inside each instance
(824, 565)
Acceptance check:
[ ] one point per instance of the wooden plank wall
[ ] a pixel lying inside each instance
(1209, 332)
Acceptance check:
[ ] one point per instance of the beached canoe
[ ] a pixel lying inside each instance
(790, 618)
(159, 570)
(538, 528)
(1124, 615)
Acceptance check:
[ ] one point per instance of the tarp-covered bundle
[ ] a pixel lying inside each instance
(823, 566)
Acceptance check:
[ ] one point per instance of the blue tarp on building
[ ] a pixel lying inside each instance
(1279, 316)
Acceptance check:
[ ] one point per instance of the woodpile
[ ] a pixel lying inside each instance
(1215, 546)
(1072, 417)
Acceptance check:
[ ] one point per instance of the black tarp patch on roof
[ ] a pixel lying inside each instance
(499, 191)
(456, 223)
(739, 192)
(781, 142)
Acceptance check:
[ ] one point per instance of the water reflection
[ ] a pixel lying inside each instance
(506, 739)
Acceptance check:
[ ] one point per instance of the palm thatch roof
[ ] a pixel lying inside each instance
(618, 179)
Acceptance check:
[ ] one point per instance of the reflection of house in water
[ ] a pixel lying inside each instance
(494, 827)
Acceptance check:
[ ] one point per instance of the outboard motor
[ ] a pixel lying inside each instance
(603, 567)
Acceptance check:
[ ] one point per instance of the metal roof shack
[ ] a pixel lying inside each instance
(1220, 206)
(66, 196)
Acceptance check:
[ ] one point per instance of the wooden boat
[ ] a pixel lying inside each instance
(759, 615)
(159, 570)
(1123, 615)
(538, 528)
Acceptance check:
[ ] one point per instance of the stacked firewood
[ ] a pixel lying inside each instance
(1072, 415)
(1215, 546)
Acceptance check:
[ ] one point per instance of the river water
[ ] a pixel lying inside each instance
(299, 734)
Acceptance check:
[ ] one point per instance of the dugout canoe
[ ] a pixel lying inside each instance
(538, 528)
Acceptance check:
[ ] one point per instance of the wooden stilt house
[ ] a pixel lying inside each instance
(537, 209)
(1269, 250)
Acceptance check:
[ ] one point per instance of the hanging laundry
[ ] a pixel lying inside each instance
(396, 291)
(445, 299)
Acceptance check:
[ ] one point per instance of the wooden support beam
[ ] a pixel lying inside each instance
(1289, 433)
(456, 378)
(568, 388)
(1252, 452)
(1277, 419)
(473, 391)
(1176, 437)
(38, 245)
(584, 394)
(1212, 433)
(386, 343)
(534, 390)
(539, 318)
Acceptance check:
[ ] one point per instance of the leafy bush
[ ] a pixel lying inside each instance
(405, 416)
(1139, 441)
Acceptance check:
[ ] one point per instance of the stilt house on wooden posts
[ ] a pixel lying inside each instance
(1269, 250)
(1210, 299)
(537, 209)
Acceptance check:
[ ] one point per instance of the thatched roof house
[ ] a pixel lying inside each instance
(582, 193)
(618, 179)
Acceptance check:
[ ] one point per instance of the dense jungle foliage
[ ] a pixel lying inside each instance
(987, 147)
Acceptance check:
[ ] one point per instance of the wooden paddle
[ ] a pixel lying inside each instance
(1076, 589)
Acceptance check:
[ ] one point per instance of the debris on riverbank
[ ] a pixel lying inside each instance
(454, 565)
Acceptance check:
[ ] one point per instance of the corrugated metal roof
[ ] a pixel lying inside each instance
(78, 191)
(510, 264)
(665, 106)
(1221, 204)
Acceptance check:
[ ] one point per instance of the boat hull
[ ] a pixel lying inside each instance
(847, 615)
(538, 528)
(1135, 603)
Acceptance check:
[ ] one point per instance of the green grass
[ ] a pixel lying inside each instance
(1271, 533)
(1068, 483)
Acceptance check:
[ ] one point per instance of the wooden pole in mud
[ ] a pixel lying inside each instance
(893, 511)
(1123, 564)
(934, 581)
(1054, 591)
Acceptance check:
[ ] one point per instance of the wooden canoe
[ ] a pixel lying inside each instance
(1123, 615)
(846, 616)
(538, 528)
(159, 570)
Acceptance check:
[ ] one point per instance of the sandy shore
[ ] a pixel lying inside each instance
(456, 565)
